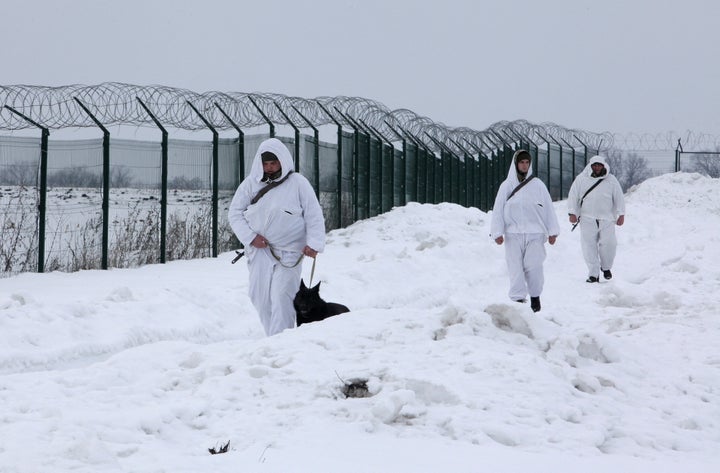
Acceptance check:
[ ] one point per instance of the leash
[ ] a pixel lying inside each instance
(240, 254)
(281, 263)
(312, 271)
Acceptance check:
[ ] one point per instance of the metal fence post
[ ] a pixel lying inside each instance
(585, 151)
(402, 180)
(388, 145)
(421, 148)
(163, 181)
(678, 151)
(562, 191)
(316, 155)
(215, 179)
(468, 175)
(560, 185)
(297, 136)
(106, 185)
(241, 145)
(42, 207)
(356, 165)
(265, 117)
(339, 163)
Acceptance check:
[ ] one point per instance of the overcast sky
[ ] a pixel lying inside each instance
(641, 66)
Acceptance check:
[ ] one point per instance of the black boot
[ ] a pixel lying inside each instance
(592, 279)
(535, 304)
(607, 274)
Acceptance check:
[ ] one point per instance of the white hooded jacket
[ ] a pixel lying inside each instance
(605, 202)
(530, 210)
(288, 216)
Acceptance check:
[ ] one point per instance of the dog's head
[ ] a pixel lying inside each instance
(306, 299)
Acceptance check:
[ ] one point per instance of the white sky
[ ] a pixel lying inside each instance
(614, 65)
(143, 370)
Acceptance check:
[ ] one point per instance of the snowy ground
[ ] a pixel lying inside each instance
(143, 370)
(73, 231)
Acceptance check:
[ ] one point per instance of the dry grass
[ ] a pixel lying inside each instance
(134, 235)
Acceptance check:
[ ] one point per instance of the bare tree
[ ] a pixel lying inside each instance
(616, 163)
(614, 159)
(635, 171)
(707, 164)
(629, 170)
(74, 177)
(185, 183)
(19, 174)
(120, 176)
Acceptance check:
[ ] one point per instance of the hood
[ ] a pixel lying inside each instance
(597, 159)
(279, 149)
(512, 172)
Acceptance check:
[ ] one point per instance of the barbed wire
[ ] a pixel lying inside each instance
(666, 141)
(114, 103)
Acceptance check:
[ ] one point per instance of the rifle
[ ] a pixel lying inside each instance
(240, 254)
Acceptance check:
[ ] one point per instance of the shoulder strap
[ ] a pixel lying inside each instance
(583, 198)
(268, 187)
(520, 186)
(589, 190)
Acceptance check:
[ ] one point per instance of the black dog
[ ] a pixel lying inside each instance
(309, 307)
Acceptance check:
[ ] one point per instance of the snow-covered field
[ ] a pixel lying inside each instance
(73, 226)
(143, 370)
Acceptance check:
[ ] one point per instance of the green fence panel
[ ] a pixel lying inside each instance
(19, 203)
(362, 176)
(388, 178)
(374, 177)
(368, 176)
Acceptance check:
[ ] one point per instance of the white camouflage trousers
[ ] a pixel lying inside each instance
(272, 287)
(599, 244)
(525, 255)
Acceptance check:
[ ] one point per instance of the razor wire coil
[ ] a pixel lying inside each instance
(114, 103)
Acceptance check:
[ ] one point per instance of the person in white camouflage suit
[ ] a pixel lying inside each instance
(283, 225)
